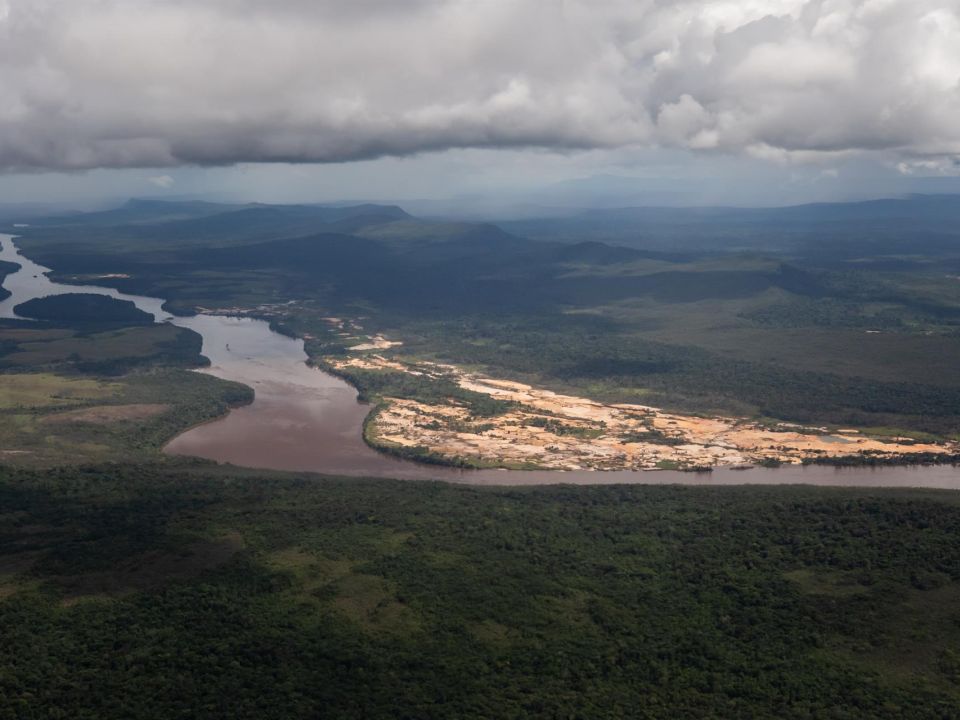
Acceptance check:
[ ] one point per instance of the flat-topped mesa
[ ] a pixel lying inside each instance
(538, 428)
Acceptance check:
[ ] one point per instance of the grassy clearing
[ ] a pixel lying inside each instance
(832, 584)
(69, 395)
(115, 350)
(46, 390)
(47, 419)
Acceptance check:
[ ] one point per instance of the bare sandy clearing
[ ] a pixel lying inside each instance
(376, 342)
(563, 432)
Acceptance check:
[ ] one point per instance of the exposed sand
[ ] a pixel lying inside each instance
(553, 431)
(376, 342)
(104, 276)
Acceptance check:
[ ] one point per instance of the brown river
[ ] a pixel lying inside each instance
(305, 420)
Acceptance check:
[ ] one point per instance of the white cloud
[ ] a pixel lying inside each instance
(940, 166)
(155, 83)
(163, 181)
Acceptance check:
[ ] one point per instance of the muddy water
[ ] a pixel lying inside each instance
(303, 419)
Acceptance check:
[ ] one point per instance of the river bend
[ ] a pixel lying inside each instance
(303, 419)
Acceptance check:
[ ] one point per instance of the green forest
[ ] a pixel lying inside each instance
(140, 592)
(84, 308)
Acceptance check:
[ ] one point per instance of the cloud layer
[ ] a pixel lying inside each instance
(127, 83)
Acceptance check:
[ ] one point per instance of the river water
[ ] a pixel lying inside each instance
(303, 419)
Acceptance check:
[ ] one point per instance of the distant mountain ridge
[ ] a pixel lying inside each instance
(828, 232)
(169, 224)
(138, 211)
(899, 223)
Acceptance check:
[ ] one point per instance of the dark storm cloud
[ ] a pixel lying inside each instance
(125, 83)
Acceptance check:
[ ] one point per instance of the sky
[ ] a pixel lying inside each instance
(479, 102)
